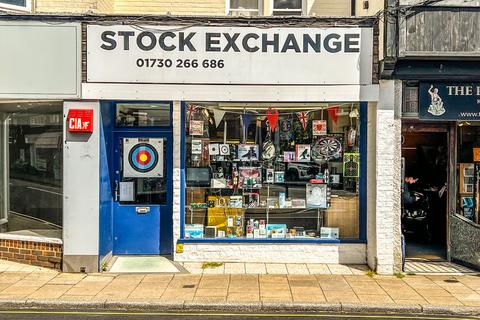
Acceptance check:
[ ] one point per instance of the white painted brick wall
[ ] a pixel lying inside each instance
(388, 164)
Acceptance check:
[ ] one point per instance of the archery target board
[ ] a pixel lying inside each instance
(142, 157)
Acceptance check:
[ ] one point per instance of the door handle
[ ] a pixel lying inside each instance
(116, 195)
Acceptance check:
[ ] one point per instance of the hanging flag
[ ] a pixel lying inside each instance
(191, 109)
(272, 118)
(333, 113)
(246, 119)
(218, 116)
(303, 117)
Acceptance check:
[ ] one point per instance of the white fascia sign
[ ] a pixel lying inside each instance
(229, 55)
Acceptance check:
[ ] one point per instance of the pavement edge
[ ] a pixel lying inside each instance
(236, 307)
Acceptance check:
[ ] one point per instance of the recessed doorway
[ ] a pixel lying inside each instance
(425, 193)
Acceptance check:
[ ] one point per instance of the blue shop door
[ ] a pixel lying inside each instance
(142, 217)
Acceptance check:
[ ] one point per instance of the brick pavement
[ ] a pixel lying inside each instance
(27, 283)
(361, 289)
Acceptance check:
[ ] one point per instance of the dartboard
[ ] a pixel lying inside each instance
(327, 148)
(143, 157)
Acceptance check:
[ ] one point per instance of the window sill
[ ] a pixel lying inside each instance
(292, 241)
(18, 237)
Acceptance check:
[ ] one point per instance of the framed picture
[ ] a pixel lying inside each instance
(248, 152)
(196, 146)
(270, 176)
(298, 203)
(317, 195)
(302, 152)
(319, 127)
(272, 202)
(251, 199)
(467, 206)
(250, 177)
(288, 156)
(196, 127)
(224, 150)
(351, 165)
(213, 149)
(279, 176)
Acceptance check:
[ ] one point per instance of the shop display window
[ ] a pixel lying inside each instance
(276, 171)
(468, 171)
(31, 141)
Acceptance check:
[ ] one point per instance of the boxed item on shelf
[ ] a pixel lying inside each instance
(194, 231)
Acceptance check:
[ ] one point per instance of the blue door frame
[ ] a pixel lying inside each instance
(150, 233)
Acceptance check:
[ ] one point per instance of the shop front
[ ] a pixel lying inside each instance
(439, 148)
(231, 142)
(32, 91)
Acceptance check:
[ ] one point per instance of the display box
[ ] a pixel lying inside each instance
(329, 233)
(277, 230)
(194, 231)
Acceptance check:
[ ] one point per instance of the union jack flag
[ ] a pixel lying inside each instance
(303, 117)
(191, 110)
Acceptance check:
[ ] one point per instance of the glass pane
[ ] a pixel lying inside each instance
(145, 156)
(287, 4)
(245, 180)
(21, 3)
(143, 115)
(244, 13)
(36, 165)
(243, 4)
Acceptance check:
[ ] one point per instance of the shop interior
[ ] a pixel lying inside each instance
(424, 194)
(32, 165)
(272, 171)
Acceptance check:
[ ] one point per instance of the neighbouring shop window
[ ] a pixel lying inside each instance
(287, 7)
(274, 171)
(34, 156)
(410, 101)
(20, 4)
(468, 171)
(245, 7)
(143, 115)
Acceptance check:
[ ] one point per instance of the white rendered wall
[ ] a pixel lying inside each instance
(81, 176)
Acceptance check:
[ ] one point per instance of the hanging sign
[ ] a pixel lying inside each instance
(449, 101)
(229, 55)
(80, 120)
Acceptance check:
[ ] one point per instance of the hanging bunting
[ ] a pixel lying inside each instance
(272, 118)
(333, 113)
(191, 109)
(218, 116)
(303, 117)
(246, 119)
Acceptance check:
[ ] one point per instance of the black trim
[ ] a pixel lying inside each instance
(464, 70)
